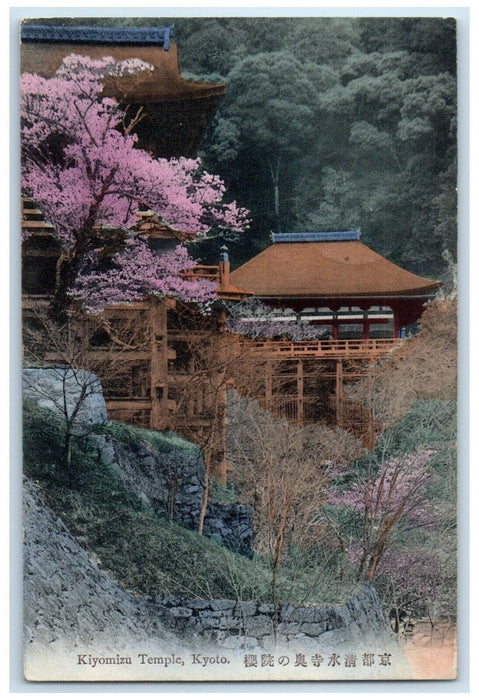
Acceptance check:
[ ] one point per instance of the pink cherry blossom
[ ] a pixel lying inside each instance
(85, 171)
(136, 271)
(398, 488)
(396, 496)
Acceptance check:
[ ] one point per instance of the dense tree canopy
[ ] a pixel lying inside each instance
(363, 112)
(365, 124)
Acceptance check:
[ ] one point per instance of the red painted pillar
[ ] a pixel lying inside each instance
(396, 324)
(365, 329)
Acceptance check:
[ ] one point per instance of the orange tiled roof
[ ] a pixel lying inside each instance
(325, 269)
(150, 224)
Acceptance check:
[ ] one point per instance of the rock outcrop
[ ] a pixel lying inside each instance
(67, 391)
(171, 482)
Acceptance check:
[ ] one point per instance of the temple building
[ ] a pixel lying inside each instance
(162, 364)
(334, 280)
(364, 303)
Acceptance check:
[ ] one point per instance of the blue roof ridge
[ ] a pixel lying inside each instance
(316, 236)
(98, 35)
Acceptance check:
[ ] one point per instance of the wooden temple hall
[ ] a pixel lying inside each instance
(165, 366)
(332, 279)
(363, 302)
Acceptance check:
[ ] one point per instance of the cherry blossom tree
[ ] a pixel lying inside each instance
(136, 271)
(380, 504)
(82, 165)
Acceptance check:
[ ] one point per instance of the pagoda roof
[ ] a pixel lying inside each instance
(175, 112)
(44, 47)
(326, 265)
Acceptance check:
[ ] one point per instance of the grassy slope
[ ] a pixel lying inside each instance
(144, 553)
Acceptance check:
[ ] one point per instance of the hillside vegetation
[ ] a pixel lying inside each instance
(424, 367)
(142, 551)
(326, 553)
(387, 516)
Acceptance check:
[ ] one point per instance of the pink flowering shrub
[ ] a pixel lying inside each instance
(86, 172)
(136, 271)
(395, 497)
(412, 571)
(399, 487)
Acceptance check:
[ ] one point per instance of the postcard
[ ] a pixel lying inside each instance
(239, 298)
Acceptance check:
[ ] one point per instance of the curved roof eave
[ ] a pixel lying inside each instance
(164, 83)
(338, 269)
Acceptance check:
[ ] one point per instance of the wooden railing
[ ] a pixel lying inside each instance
(207, 272)
(277, 349)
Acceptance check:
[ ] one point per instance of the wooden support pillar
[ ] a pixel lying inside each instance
(365, 327)
(224, 270)
(159, 363)
(268, 386)
(339, 392)
(335, 328)
(396, 324)
(300, 392)
(219, 411)
(223, 468)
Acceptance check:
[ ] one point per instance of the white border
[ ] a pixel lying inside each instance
(192, 8)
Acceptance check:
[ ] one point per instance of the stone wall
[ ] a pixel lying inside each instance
(232, 524)
(235, 624)
(171, 482)
(67, 598)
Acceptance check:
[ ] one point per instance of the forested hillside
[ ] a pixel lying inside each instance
(331, 124)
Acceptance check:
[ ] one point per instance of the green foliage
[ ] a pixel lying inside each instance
(223, 493)
(144, 553)
(428, 423)
(159, 442)
(374, 147)
(43, 436)
(150, 556)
